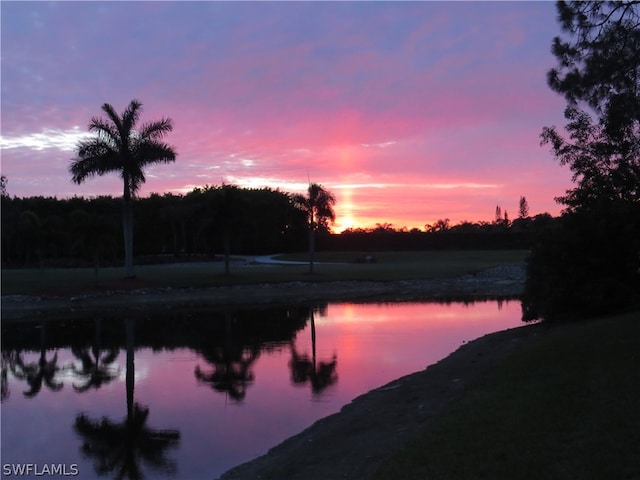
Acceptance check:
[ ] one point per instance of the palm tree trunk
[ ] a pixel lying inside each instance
(127, 226)
(130, 367)
(313, 341)
(312, 247)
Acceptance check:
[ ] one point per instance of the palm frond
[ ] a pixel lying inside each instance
(136, 178)
(130, 117)
(156, 130)
(94, 158)
(104, 130)
(150, 152)
(113, 115)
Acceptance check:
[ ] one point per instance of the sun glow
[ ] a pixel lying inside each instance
(345, 211)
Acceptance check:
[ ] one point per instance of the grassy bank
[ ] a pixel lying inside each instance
(389, 266)
(564, 407)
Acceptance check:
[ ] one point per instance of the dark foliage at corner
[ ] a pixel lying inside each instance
(588, 265)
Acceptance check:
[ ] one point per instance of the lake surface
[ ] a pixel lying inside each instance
(192, 394)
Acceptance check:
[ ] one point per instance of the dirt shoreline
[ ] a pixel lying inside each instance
(506, 281)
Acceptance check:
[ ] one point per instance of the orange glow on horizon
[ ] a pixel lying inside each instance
(413, 204)
(344, 212)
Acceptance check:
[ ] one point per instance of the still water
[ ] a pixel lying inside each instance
(190, 395)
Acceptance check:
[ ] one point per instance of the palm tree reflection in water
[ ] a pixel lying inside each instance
(96, 368)
(118, 447)
(304, 369)
(232, 363)
(8, 360)
(38, 373)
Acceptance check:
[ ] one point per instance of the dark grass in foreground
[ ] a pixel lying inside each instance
(389, 266)
(564, 407)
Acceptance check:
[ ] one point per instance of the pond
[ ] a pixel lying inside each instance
(192, 394)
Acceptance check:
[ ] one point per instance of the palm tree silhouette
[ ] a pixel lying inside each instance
(304, 369)
(318, 206)
(232, 363)
(119, 447)
(8, 363)
(96, 367)
(36, 374)
(42, 372)
(119, 147)
(231, 371)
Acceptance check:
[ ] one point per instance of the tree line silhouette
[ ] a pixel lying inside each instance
(206, 221)
(210, 221)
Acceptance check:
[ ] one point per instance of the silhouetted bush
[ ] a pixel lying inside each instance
(587, 265)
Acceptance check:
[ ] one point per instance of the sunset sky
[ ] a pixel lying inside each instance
(409, 112)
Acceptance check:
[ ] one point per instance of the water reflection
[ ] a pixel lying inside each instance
(231, 363)
(97, 367)
(7, 361)
(120, 447)
(42, 371)
(319, 374)
(205, 390)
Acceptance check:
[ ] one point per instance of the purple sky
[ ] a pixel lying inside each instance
(408, 112)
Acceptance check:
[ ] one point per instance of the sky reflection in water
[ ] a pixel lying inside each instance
(211, 389)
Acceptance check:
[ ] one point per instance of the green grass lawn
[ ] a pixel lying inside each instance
(564, 407)
(389, 266)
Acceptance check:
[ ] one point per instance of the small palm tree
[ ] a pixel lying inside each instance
(119, 147)
(42, 372)
(96, 369)
(232, 364)
(304, 369)
(318, 206)
(37, 374)
(8, 362)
